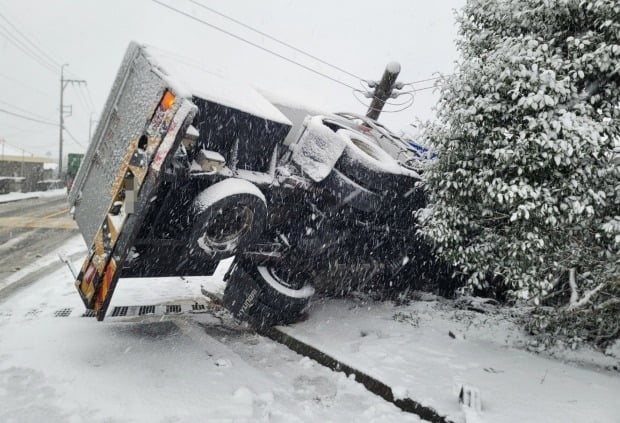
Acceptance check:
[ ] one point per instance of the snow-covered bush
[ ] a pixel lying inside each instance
(596, 323)
(526, 189)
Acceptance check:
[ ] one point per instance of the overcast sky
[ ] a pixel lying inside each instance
(92, 35)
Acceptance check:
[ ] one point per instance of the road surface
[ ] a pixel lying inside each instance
(30, 229)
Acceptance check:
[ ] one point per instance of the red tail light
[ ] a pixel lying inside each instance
(90, 274)
(168, 101)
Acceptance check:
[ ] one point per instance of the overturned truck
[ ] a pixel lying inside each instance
(186, 169)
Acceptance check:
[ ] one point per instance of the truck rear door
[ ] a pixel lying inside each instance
(143, 123)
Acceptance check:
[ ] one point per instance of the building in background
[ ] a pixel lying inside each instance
(20, 170)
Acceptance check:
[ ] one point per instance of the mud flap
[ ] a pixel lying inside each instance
(242, 299)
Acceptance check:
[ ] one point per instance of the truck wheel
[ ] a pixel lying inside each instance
(369, 165)
(263, 295)
(229, 216)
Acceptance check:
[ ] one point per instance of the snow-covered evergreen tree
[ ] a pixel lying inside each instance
(527, 185)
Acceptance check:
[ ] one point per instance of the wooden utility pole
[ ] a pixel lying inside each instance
(383, 91)
(62, 115)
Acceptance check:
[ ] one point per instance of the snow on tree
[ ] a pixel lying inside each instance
(526, 189)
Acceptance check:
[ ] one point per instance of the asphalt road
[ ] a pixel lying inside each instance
(30, 229)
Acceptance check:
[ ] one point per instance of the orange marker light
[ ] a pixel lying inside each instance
(168, 100)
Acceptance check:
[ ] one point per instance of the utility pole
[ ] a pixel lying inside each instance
(90, 127)
(62, 112)
(63, 84)
(383, 90)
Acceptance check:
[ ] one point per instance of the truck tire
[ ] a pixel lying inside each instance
(228, 216)
(263, 297)
(366, 163)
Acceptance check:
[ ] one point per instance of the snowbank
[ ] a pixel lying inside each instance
(15, 196)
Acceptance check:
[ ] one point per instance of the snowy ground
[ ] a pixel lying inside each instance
(159, 368)
(204, 366)
(15, 196)
(426, 350)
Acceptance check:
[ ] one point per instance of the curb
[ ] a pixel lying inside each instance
(371, 384)
(19, 199)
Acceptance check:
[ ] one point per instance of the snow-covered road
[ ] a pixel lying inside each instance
(56, 366)
(30, 229)
(18, 196)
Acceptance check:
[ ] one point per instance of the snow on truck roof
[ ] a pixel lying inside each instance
(189, 80)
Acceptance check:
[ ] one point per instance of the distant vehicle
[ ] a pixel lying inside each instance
(11, 184)
(186, 169)
(48, 184)
(73, 165)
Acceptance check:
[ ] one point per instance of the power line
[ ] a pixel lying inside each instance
(271, 37)
(406, 104)
(368, 94)
(24, 110)
(20, 45)
(253, 44)
(73, 138)
(415, 90)
(183, 59)
(4, 141)
(422, 89)
(29, 41)
(425, 80)
(27, 117)
(82, 98)
(403, 84)
(30, 132)
(23, 84)
(89, 97)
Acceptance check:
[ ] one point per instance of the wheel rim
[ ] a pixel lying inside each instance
(227, 226)
(284, 276)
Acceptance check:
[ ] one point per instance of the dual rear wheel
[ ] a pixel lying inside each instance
(229, 217)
